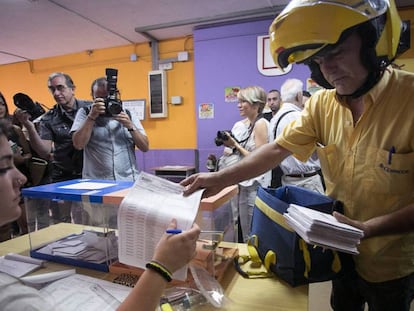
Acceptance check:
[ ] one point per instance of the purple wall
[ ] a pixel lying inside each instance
(146, 161)
(225, 56)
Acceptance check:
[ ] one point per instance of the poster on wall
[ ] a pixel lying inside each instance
(136, 107)
(312, 86)
(265, 63)
(230, 94)
(206, 111)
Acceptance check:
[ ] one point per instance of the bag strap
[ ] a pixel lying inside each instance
(257, 268)
(272, 214)
(278, 121)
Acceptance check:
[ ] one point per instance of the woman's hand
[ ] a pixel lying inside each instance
(175, 250)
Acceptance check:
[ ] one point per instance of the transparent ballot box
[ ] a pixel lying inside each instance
(74, 222)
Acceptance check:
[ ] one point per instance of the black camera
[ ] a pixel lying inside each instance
(113, 105)
(221, 136)
(24, 102)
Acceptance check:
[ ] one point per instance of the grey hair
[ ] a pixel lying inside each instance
(68, 79)
(290, 89)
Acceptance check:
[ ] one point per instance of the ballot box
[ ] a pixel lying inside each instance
(74, 222)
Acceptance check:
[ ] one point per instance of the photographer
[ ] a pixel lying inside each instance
(245, 136)
(108, 140)
(54, 142)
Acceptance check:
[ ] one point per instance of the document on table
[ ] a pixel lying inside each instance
(18, 265)
(88, 185)
(144, 214)
(83, 293)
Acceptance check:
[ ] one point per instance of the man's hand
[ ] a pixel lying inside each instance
(97, 108)
(357, 224)
(210, 181)
(124, 119)
(22, 116)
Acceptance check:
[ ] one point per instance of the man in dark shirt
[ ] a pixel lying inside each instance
(53, 141)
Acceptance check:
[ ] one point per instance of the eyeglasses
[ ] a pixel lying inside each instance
(60, 88)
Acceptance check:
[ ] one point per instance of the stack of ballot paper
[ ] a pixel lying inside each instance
(323, 229)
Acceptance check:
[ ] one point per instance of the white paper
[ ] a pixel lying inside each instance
(16, 268)
(317, 218)
(83, 293)
(40, 279)
(144, 214)
(87, 185)
(323, 229)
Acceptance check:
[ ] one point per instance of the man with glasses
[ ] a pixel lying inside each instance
(53, 141)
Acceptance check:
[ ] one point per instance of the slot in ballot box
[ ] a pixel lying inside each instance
(91, 241)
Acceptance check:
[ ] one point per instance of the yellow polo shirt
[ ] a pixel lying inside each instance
(369, 166)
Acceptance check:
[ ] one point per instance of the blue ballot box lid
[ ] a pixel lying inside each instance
(91, 190)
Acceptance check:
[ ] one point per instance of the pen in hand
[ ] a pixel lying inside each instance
(173, 231)
(177, 231)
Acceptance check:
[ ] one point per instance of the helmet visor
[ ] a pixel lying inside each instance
(304, 27)
(369, 8)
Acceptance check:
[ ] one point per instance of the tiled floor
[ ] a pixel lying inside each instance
(319, 297)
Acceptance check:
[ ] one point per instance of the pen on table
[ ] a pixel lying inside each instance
(392, 150)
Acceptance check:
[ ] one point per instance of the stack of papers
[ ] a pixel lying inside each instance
(18, 265)
(323, 229)
(91, 246)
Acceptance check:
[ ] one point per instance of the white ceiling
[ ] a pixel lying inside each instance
(34, 29)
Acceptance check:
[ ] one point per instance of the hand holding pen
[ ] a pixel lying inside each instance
(176, 250)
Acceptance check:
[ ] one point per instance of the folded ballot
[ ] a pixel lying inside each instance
(323, 229)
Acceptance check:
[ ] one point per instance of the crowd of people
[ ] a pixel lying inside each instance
(14, 295)
(361, 127)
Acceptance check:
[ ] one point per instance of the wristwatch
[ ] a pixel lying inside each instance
(131, 129)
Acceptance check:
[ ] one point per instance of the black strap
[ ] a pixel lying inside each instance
(251, 128)
(278, 121)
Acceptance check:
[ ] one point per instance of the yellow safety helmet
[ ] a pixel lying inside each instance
(305, 27)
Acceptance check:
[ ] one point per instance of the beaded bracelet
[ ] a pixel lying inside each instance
(160, 269)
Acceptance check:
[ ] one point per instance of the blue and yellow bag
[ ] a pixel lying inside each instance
(277, 247)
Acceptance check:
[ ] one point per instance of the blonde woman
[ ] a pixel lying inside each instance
(247, 135)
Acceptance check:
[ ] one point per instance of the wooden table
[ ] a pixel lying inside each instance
(244, 294)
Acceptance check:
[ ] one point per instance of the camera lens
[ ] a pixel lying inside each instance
(114, 108)
(218, 141)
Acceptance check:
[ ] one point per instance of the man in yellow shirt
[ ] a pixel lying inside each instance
(362, 128)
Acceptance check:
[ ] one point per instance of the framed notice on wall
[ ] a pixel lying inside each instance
(136, 107)
(157, 85)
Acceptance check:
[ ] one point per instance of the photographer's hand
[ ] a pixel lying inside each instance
(140, 140)
(82, 135)
(42, 147)
(98, 108)
(124, 119)
(22, 116)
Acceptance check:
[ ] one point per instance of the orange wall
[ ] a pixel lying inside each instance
(178, 130)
